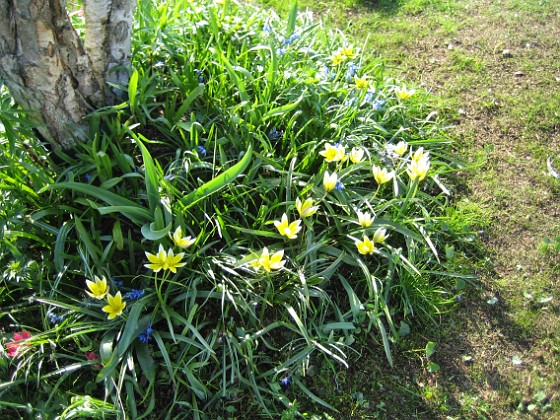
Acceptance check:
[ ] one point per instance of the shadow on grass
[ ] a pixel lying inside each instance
(483, 354)
(481, 348)
(383, 7)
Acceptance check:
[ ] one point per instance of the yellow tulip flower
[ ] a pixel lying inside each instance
(365, 247)
(182, 241)
(357, 155)
(403, 93)
(165, 260)
(271, 262)
(380, 235)
(364, 219)
(289, 230)
(330, 181)
(381, 175)
(401, 148)
(361, 82)
(306, 208)
(115, 305)
(333, 153)
(348, 52)
(98, 288)
(418, 170)
(337, 58)
(419, 155)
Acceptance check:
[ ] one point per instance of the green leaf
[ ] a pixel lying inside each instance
(430, 349)
(311, 395)
(85, 239)
(331, 326)
(433, 367)
(292, 18)
(140, 215)
(385, 340)
(218, 182)
(132, 88)
(284, 109)
(132, 327)
(355, 304)
(150, 233)
(118, 236)
(197, 91)
(59, 245)
(404, 329)
(151, 178)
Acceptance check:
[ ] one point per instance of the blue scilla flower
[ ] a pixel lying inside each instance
(88, 178)
(54, 318)
(368, 98)
(285, 381)
(291, 39)
(201, 150)
(267, 28)
(274, 133)
(352, 70)
(200, 76)
(134, 294)
(146, 335)
(339, 186)
(378, 104)
(280, 51)
(117, 283)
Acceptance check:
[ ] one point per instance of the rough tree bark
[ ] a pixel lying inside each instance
(52, 74)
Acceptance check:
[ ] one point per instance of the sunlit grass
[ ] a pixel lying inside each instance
(220, 291)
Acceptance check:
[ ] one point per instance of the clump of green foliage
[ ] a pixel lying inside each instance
(266, 199)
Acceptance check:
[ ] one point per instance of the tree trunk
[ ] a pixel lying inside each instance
(49, 72)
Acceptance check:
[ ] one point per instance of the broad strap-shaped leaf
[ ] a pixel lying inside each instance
(140, 216)
(218, 182)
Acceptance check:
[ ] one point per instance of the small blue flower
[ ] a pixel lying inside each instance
(201, 150)
(368, 98)
(88, 178)
(200, 76)
(285, 381)
(117, 283)
(378, 104)
(274, 133)
(459, 298)
(350, 102)
(54, 318)
(291, 39)
(134, 294)
(267, 28)
(146, 335)
(352, 70)
(280, 52)
(339, 186)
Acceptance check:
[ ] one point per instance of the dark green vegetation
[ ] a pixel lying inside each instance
(267, 204)
(495, 67)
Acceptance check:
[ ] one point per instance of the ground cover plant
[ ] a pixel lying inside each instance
(266, 202)
(494, 66)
